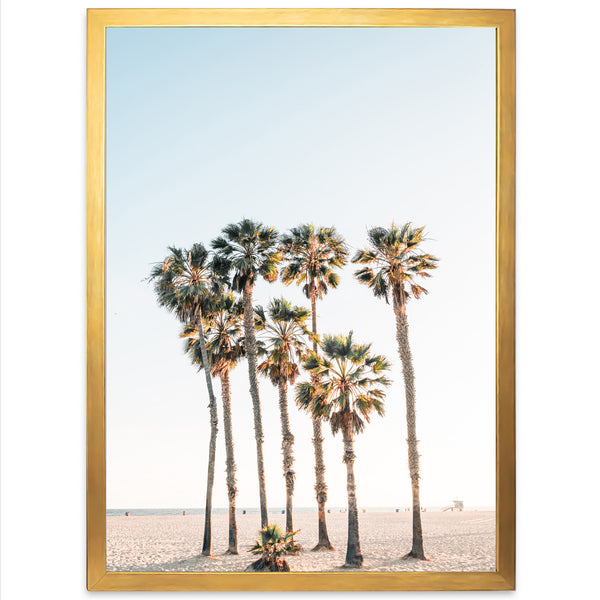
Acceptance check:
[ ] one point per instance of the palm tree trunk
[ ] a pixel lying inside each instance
(412, 441)
(287, 443)
(212, 447)
(354, 556)
(250, 335)
(230, 460)
(320, 485)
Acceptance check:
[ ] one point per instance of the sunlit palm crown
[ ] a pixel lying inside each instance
(223, 333)
(272, 541)
(350, 383)
(283, 337)
(248, 249)
(395, 261)
(185, 280)
(311, 255)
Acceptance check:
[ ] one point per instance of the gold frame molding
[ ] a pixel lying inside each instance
(504, 23)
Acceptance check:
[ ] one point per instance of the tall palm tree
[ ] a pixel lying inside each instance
(312, 256)
(249, 250)
(284, 339)
(225, 348)
(348, 389)
(395, 261)
(184, 282)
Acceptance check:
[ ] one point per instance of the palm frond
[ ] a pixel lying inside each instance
(246, 250)
(347, 385)
(311, 255)
(393, 257)
(283, 336)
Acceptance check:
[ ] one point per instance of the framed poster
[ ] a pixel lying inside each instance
(300, 299)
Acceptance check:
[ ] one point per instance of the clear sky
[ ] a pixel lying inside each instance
(351, 127)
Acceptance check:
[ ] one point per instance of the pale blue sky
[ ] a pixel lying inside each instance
(351, 127)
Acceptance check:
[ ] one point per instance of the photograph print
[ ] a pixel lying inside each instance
(300, 299)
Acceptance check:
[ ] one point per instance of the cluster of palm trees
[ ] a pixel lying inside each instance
(211, 293)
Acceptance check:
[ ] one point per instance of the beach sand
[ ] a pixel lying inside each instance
(454, 541)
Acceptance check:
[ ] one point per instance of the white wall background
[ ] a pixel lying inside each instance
(43, 290)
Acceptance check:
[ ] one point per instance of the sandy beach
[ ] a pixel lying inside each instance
(454, 541)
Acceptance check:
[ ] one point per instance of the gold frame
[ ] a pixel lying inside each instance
(504, 23)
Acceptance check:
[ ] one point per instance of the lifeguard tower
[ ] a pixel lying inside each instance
(456, 505)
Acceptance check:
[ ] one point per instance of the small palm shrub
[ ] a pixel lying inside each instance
(272, 547)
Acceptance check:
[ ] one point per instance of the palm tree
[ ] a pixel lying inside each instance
(312, 256)
(348, 389)
(394, 262)
(272, 547)
(225, 348)
(249, 250)
(184, 282)
(284, 334)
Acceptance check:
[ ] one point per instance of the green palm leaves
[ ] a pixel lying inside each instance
(272, 546)
(394, 262)
(223, 333)
(350, 384)
(313, 255)
(184, 281)
(284, 334)
(272, 541)
(247, 249)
